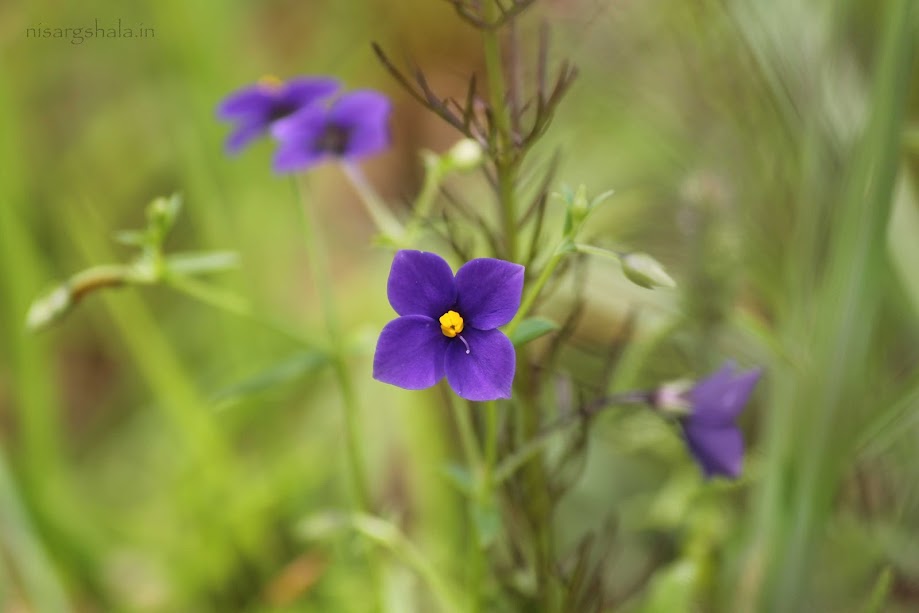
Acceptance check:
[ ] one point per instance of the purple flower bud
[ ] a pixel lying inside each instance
(447, 325)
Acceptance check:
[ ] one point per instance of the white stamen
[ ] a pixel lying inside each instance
(460, 336)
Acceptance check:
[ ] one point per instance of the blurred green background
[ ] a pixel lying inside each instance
(159, 455)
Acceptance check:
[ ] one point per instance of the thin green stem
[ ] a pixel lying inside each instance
(536, 444)
(505, 164)
(433, 176)
(376, 208)
(317, 256)
(534, 291)
(37, 576)
(603, 253)
(467, 434)
(491, 435)
(389, 536)
(482, 488)
(507, 177)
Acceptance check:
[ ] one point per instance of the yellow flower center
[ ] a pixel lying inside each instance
(451, 323)
(269, 81)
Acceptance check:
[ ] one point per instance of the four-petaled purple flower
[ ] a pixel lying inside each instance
(711, 434)
(353, 127)
(256, 108)
(448, 325)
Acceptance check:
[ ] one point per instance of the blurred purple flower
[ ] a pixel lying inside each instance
(255, 108)
(710, 430)
(448, 325)
(353, 127)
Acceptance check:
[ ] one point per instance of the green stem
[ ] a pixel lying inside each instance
(505, 164)
(491, 436)
(467, 434)
(433, 176)
(389, 536)
(37, 576)
(382, 217)
(603, 253)
(537, 443)
(468, 440)
(534, 291)
(317, 254)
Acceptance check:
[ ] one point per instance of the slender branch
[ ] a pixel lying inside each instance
(536, 444)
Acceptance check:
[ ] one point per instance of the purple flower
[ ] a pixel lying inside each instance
(448, 325)
(255, 108)
(711, 434)
(353, 127)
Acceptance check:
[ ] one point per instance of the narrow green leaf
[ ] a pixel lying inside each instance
(877, 601)
(601, 197)
(132, 238)
(487, 522)
(531, 329)
(202, 262)
(902, 230)
(460, 477)
(294, 367)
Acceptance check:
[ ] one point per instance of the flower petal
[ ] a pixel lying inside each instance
(297, 136)
(420, 283)
(719, 398)
(358, 106)
(294, 156)
(718, 450)
(410, 353)
(303, 91)
(306, 124)
(251, 100)
(488, 292)
(244, 134)
(364, 115)
(366, 139)
(487, 371)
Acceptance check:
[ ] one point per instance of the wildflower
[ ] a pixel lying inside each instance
(257, 107)
(707, 413)
(353, 127)
(448, 325)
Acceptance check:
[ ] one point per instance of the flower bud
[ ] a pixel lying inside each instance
(161, 215)
(641, 269)
(465, 155)
(49, 308)
(673, 398)
(579, 203)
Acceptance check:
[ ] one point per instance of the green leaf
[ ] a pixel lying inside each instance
(672, 590)
(132, 238)
(202, 262)
(294, 367)
(902, 230)
(460, 477)
(487, 522)
(601, 197)
(531, 329)
(877, 601)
